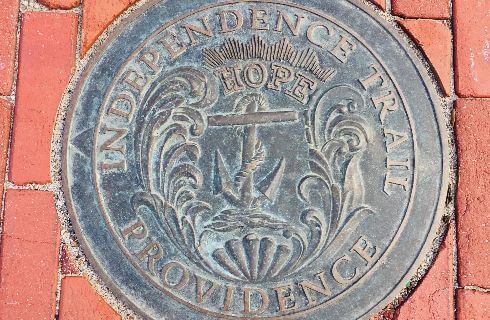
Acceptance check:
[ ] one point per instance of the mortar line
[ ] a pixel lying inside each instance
(73, 10)
(72, 276)
(13, 92)
(60, 278)
(399, 18)
(78, 54)
(456, 176)
(30, 186)
(453, 55)
(485, 99)
(9, 98)
(477, 288)
(388, 6)
(454, 262)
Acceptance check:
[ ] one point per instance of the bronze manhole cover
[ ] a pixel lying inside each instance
(255, 159)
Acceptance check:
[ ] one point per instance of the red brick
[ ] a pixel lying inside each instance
(5, 117)
(60, 4)
(80, 301)
(68, 266)
(473, 137)
(473, 305)
(433, 298)
(9, 10)
(472, 47)
(380, 3)
(30, 254)
(430, 9)
(97, 16)
(423, 32)
(47, 54)
(438, 52)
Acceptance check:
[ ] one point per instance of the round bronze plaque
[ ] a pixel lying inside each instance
(255, 159)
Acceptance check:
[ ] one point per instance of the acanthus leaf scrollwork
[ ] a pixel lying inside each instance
(338, 135)
(168, 124)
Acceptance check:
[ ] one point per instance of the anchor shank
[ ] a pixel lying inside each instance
(248, 152)
(250, 119)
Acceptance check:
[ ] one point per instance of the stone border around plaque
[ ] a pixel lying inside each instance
(253, 159)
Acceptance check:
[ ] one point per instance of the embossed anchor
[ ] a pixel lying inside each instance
(253, 154)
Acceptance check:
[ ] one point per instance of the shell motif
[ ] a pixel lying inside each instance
(253, 258)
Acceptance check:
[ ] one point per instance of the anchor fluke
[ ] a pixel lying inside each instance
(271, 183)
(222, 180)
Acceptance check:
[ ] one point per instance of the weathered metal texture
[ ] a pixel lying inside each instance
(255, 159)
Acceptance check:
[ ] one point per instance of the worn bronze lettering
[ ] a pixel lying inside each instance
(253, 159)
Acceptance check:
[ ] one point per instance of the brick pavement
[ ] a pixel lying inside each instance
(38, 277)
